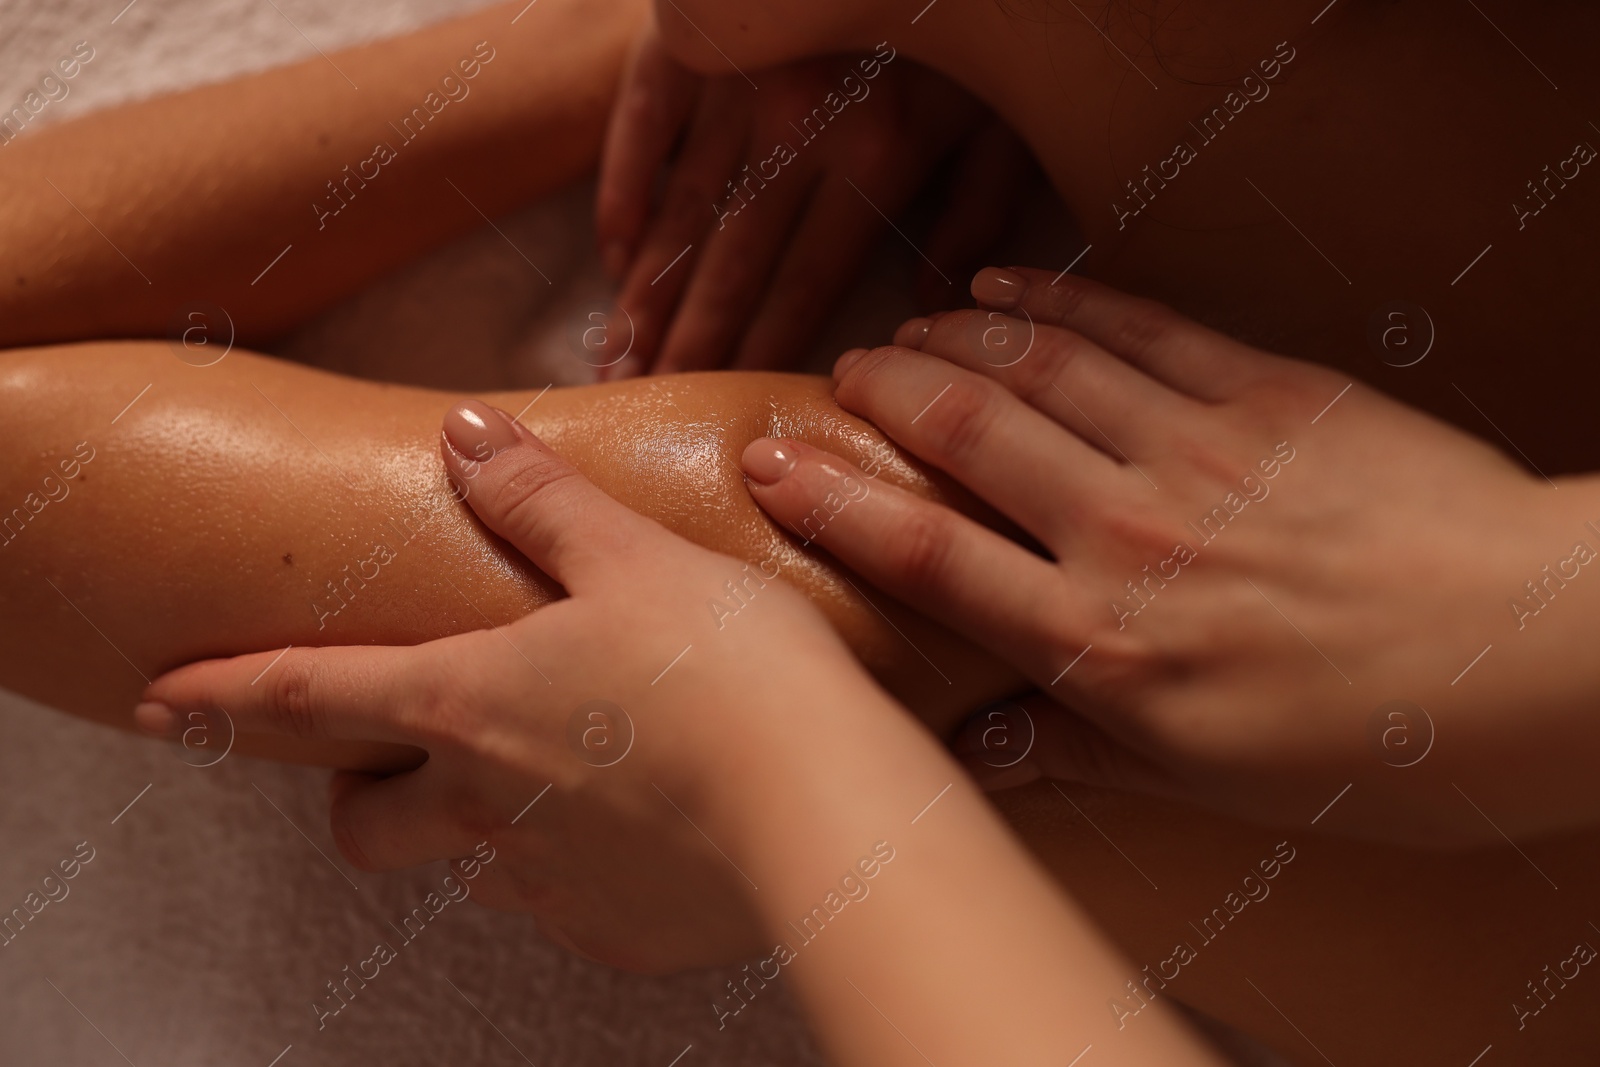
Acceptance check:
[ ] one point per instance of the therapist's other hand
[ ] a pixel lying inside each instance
(1243, 559)
(611, 859)
(766, 213)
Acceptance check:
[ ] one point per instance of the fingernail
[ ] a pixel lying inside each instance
(479, 431)
(913, 333)
(614, 257)
(155, 719)
(998, 288)
(842, 365)
(768, 460)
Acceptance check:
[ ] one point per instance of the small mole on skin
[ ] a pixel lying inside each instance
(322, 140)
(288, 559)
(21, 281)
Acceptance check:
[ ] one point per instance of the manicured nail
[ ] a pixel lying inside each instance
(768, 460)
(913, 333)
(843, 364)
(998, 288)
(155, 719)
(479, 431)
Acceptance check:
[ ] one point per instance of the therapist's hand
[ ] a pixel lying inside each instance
(1242, 561)
(595, 811)
(766, 213)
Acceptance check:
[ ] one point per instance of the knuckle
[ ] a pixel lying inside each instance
(1062, 627)
(958, 421)
(816, 494)
(535, 487)
(1139, 531)
(477, 820)
(1123, 671)
(1005, 340)
(964, 327)
(1057, 350)
(1214, 461)
(435, 710)
(294, 697)
(869, 377)
(346, 839)
(1062, 299)
(530, 890)
(1141, 328)
(1289, 386)
(926, 546)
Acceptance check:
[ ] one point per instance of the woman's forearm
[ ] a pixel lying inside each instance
(344, 165)
(912, 923)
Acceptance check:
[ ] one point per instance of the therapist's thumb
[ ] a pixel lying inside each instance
(536, 500)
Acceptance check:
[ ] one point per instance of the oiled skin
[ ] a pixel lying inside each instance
(236, 507)
(216, 508)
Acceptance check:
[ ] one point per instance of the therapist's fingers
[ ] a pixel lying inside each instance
(969, 577)
(729, 276)
(358, 693)
(1176, 350)
(675, 236)
(824, 255)
(387, 824)
(538, 501)
(1101, 398)
(1031, 469)
(653, 104)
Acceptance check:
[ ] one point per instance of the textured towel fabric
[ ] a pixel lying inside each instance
(215, 911)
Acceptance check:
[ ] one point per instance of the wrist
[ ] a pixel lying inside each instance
(1563, 565)
(826, 806)
(1520, 709)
